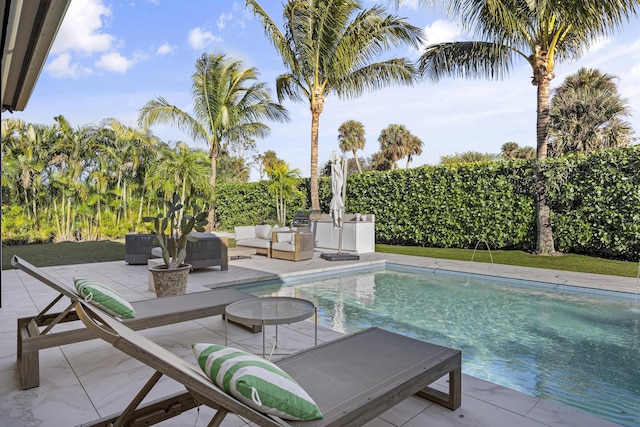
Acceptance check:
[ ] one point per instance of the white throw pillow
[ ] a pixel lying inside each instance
(245, 232)
(263, 231)
(285, 237)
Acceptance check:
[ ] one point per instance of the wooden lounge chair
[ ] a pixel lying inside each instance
(352, 379)
(37, 332)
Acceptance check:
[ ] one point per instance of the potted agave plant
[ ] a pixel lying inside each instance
(172, 232)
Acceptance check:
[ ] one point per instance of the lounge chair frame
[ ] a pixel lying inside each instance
(352, 379)
(38, 332)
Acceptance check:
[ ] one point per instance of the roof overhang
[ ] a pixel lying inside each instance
(29, 28)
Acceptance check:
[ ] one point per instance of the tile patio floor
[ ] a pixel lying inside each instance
(85, 381)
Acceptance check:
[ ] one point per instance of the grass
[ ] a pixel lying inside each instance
(49, 254)
(569, 262)
(44, 255)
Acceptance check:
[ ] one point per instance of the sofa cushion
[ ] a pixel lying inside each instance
(283, 246)
(245, 232)
(286, 237)
(254, 243)
(263, 231)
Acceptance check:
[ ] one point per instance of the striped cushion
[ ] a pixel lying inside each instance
(256, 382)
(104, 297)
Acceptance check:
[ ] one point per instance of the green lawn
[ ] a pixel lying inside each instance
(568, 262)
(43, 255)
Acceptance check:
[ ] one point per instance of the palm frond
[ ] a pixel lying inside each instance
(375, 76)
(159, 111)
(466, 59)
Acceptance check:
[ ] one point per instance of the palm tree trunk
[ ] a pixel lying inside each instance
(544, 232)
(212, 182)
(316, 109)
(355, 156)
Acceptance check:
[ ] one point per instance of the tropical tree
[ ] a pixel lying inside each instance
(542, 33)
(396, 142)
(380, 162)
(467, 157)
(413, 147)
(351, 138)
(232, 168)
(586, 114)
(511, 150)
(283, 186)
(229, 104)
(328, 47)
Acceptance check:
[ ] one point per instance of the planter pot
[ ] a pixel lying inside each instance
(170, 282)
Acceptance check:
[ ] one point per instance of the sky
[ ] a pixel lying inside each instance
(112, 57)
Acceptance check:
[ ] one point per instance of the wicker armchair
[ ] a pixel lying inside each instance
(292, 245)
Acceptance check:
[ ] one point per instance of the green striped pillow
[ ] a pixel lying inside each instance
(104, 297)
(256, 382)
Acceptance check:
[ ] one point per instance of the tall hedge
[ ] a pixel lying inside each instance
(595, 204)
(448, 206)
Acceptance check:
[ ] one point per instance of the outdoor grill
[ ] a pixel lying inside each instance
(302, 218)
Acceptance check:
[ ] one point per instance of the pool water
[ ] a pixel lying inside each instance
(580, 349)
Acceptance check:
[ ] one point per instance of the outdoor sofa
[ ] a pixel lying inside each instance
(292, 245)
(210, 250)
(258, 237)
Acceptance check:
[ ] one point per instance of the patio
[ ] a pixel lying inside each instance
(85, 381)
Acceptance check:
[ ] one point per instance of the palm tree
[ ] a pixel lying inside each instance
(413, 147)
(283, 186)
(542, 33)
(229, 105)
(328, 47)
(509, 149)
(392, 141)
(351, 138)
(586, 113)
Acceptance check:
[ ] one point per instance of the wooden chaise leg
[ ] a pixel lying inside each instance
(29, 334)
(150, 413)
(29, 360)
(451, 400)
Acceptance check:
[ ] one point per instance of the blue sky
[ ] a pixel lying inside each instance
(111, 57)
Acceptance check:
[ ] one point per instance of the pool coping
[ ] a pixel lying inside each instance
(562, 278)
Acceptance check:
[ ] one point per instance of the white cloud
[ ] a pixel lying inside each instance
(199, 39)
(600, 44)
(442, 32)
(62, 67)
(166, 49)
(410, 4)
(115, 62)
(223, 19)
(82, 31)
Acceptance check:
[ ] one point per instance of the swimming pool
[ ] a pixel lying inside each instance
(577, 347)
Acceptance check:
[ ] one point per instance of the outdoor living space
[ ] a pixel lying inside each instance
(83, 382)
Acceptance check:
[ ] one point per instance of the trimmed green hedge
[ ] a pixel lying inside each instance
(595, 204)
(448, 206)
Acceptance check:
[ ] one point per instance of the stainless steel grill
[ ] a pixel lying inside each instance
(302, 218)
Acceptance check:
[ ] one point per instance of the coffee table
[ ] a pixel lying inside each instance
(242, 252)
(270, 311)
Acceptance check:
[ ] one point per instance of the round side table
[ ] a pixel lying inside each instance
(270, 311)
